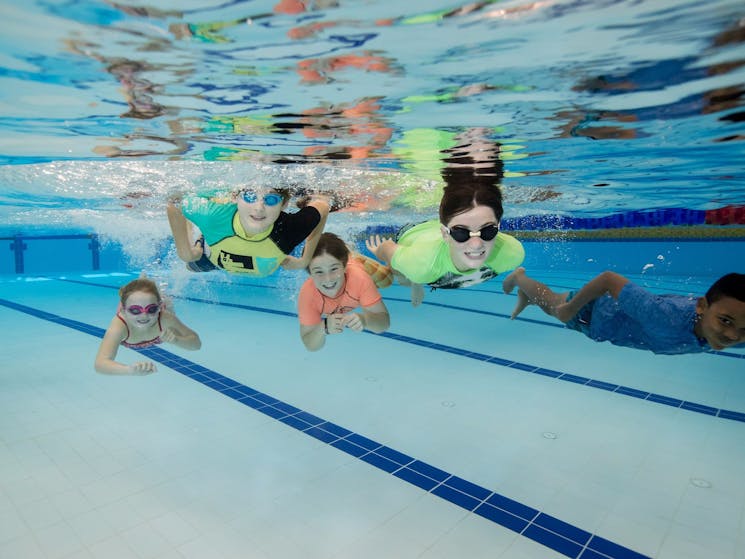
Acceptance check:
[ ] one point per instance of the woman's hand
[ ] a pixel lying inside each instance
(381, 247)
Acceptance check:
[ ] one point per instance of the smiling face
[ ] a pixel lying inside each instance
(721, 323)
(135, 310)
(256, 215)
(473, 252)
(327, 273)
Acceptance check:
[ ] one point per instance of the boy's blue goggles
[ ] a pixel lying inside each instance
(271, 199)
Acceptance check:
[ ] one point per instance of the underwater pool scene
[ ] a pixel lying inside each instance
(614, 129)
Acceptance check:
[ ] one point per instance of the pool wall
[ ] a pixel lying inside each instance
(647, 256)
(86, 252)
(69, 252)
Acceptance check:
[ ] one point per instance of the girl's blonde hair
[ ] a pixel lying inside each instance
(140, 284)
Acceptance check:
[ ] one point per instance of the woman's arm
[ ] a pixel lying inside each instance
(107, 351)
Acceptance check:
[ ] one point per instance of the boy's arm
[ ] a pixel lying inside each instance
(181, 229)
(292, 263)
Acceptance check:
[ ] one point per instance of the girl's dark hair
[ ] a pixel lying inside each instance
(731, 285)
(140, 284)
(333, 245)
(466, 189)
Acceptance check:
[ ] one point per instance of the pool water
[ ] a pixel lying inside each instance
(616, 130)
(457, 433)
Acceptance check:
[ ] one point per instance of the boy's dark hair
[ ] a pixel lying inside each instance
(465, 190)
(286, 193)
(328, 243)
(731, 285)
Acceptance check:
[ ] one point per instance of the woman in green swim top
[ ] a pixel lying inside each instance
(463, 248)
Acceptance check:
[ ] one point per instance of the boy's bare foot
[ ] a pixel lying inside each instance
(522, 302)
(417, 294)
(510, 281)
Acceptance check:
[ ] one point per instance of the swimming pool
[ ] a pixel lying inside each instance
(458, 433)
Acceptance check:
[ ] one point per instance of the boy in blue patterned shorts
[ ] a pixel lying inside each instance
(612, 308)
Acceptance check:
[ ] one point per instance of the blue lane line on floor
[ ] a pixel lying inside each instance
(562, 537)
(517, 365)
(576, 379)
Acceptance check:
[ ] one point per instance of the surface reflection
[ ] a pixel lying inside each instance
(656, 76)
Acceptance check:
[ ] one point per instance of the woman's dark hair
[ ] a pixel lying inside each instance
(472, 173)
(731, 285)
(465, 190)
(333, 245)
(140, 284)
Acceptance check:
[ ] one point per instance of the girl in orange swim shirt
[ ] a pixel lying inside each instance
(339, 283)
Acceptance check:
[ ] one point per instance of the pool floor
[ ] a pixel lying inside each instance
(458, 434)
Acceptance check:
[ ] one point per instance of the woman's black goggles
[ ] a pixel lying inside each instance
(461, 234)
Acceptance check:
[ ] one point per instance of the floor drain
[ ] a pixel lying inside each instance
(698, 482)
(550, 435)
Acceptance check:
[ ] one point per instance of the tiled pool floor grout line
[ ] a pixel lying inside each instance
(544, 529)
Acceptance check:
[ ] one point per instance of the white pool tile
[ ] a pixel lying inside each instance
(114, 547)
(91, 527)
(21, 546)
(58, 540)
(165, 467)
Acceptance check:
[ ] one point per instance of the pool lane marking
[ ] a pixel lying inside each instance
(562, 537)
(576, 379)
